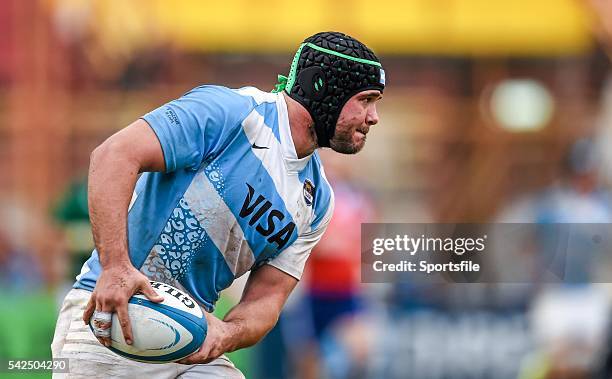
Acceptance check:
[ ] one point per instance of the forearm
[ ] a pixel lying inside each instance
(249, 322)
(111, 183)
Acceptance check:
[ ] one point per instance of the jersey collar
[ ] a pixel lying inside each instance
(292, 162)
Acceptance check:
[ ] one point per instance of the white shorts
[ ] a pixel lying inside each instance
(90, 359)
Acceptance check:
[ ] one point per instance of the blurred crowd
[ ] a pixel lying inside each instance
(461, 139)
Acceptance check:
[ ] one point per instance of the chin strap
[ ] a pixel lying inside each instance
(282, 83)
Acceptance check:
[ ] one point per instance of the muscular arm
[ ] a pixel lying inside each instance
(262, 301)
(251, 319)
(113, 170)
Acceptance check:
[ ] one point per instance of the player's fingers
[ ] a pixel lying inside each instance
(89, 309)
(150, 293)
(190, 360)
(197, 357)
(102, 321)
(124, 321)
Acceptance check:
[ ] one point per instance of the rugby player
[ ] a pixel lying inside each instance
(231, 182)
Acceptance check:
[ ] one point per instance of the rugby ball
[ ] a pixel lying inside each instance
(163, 332)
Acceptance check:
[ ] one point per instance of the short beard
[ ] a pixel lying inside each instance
(345, 145)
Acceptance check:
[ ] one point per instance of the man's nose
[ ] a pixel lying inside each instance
(372, 116)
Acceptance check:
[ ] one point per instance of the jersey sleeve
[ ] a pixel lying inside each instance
(293, 259)
(193, 126)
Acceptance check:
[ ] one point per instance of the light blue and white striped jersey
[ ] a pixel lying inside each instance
(234, 195)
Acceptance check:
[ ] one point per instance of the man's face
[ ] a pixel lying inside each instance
(356, 118)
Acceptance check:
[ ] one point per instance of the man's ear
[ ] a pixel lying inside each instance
(313, 134)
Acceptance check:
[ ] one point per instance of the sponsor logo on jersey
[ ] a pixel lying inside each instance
(254, 208)
(255, 146)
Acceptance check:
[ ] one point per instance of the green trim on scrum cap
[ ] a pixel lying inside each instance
(360, 60)
(293, 70)
(286, 82)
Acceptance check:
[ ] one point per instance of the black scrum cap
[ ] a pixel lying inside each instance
(327, 70)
